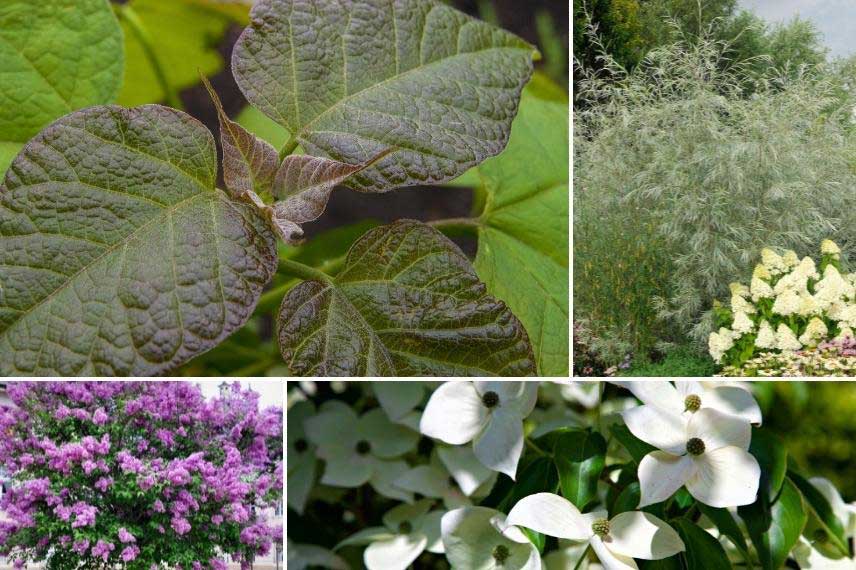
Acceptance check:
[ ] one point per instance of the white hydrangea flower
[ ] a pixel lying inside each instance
(356, 449)
(794, 281)
(616, 542)
(808, 305)
(833, 288)
(490, 414)
(786, 339)
(807, 268)
(478, 538)
(791, 259)
(772, 261)
(814, 332)
(687, 397)
(760, 289)
(828, 247)
(300, 456)
(738, 289)
(787, 303)
(761, 272)
(718, 343)
(766, 336)
(707, 454)
(408, 531)
(742, 324)
(847, 315)
(740, 305)
(844, 333)
(436, 480)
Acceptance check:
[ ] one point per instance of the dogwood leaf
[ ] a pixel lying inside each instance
(118, 254)
(523, 235)
(55, 56)
(349, 79)
(406, 302)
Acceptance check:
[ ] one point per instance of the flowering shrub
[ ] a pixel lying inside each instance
(144, 474)
(612, 472)
(790, 304)
(832, 358)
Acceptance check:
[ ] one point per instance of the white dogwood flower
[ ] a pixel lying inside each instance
(616, 542)
(488, 413)
(453, 475)
(399, 398)
(300, 456)
(478, 538)
(408, 531)
(355, 448)
(708, 454)
(686, 398)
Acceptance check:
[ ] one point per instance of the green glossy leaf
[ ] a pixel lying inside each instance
(539, 476)
(407, 302)
(185, 35)
(352, 78)
(56, 56)
(702, 550)
(523, 236)
(772, 457)
(823, 522)
(119, 255)
(579, 456)
(628, 499)
(726, 524)
(634, 446)
(775, 529)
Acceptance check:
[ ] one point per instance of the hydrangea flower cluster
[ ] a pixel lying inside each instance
(139, 473)
(789, 305)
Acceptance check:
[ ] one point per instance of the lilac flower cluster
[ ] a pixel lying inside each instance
(105, 471)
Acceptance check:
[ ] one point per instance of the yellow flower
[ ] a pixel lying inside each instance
(828, 247)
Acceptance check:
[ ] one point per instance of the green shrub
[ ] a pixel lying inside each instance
(680, 180)
(680, 362)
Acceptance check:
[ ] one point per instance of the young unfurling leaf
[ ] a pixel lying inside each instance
(407, 302)
(119, 256)
(349, 79)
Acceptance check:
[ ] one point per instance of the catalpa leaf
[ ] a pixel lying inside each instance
(117, 253)
(249, 163)
(55, 56)
(303, 185)
(406, 302)
(523, 254)
(351, 78)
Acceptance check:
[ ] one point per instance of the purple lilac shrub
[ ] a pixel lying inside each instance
(145, 475)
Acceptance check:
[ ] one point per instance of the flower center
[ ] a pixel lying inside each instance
(695, 446)
(600, 527)
(405, 528)
(301, 445)
(692, 403)
(490, 399)
(363, 447)
(501, 554)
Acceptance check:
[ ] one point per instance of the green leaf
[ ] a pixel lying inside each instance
(119, 254)
(775, 529)
(726, 524)
(702, 550)
(772, 457)
(579, 456)
(185, 35)
(823, 519)
(628, 499)
(260, 125)
(539, 476)
(523, 237)
(56, 56)
(352, 78)
(407, 302)
(634, 446)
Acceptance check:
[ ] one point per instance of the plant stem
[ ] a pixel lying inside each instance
(289, 147)
(583, 557)
(302, 271)
(456, 226)
(127, 13)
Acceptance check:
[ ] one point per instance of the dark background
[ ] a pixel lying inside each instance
(417, 202)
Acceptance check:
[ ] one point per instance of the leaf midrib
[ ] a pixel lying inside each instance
(120, 243)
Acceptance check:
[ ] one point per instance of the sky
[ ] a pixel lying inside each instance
(270, 391)
(836, 19)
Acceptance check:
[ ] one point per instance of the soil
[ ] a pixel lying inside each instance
(419, 202)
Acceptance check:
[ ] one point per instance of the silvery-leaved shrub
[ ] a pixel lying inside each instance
(681, 179)
(791, 304)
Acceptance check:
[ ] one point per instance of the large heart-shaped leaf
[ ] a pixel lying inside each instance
(407, 302)
(55, 56)
(350, 78)
(523, 231)
(117, 253)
